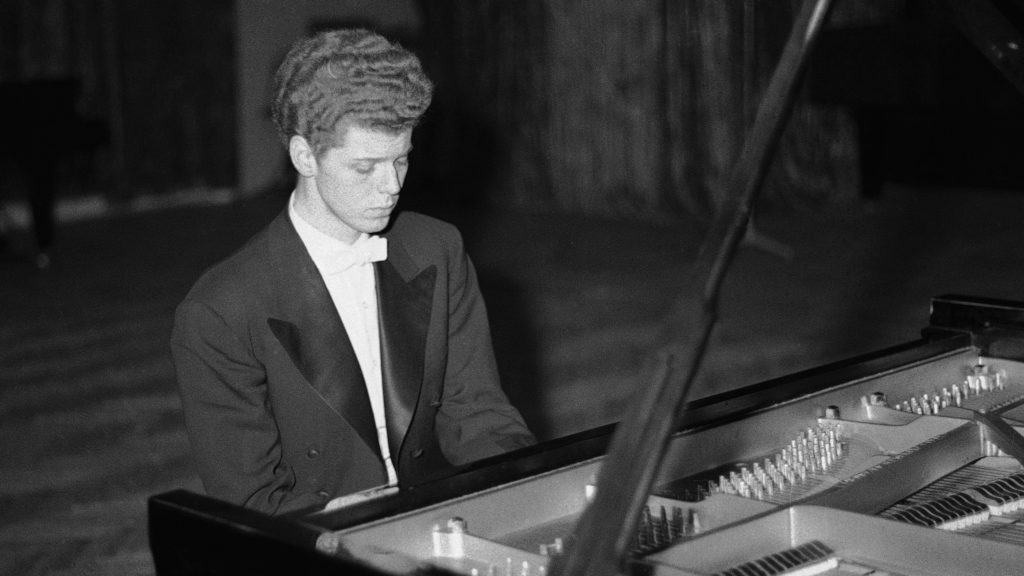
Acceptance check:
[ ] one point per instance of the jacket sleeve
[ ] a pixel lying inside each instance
(475, 419)
(234, 438)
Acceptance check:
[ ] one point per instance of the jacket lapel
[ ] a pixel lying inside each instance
(310, 330)
(404, 296)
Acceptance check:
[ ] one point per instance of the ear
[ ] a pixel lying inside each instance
(302, 156)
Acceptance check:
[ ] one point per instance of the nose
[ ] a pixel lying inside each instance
(391, 181)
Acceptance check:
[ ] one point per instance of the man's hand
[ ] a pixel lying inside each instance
(357, 497)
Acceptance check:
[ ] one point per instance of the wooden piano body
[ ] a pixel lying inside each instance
(888, 462)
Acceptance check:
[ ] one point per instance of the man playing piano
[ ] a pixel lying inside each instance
(346, 346)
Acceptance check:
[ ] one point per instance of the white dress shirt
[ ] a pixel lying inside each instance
(354, 292)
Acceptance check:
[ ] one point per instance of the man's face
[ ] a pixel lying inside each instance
(358, 182)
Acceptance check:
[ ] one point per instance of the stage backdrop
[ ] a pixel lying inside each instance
(154, 84)
(627, 109)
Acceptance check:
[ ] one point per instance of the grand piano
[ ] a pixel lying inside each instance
(907, 461)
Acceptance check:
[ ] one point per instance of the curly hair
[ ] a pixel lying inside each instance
(352, 75)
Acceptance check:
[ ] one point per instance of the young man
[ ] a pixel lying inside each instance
(345, 346)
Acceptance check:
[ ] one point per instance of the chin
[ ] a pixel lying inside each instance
(377, 226)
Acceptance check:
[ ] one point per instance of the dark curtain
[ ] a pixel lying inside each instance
(153, 85)
(635, 109)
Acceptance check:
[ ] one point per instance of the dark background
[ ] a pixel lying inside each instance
(599, 109)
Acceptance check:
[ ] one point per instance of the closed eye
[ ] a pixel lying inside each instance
(364, 169)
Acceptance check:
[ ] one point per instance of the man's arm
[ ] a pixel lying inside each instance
(235, 440)
(476, 419)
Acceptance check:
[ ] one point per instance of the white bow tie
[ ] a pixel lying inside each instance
(366, 250)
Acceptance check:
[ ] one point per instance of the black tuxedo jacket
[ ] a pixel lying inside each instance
(275, 403)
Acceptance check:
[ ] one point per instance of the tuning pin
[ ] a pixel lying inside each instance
(958, 396)
(974, 384)
(695, 523)
(915, 406)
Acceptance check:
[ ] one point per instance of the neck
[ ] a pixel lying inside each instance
(309, 205)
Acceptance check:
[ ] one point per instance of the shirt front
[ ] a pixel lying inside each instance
(353, 291)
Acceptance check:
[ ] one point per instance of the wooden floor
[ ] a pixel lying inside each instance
(90, 422)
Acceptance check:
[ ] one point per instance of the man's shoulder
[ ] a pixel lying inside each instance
(236, 277)
(424, 234)
(407, 224)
